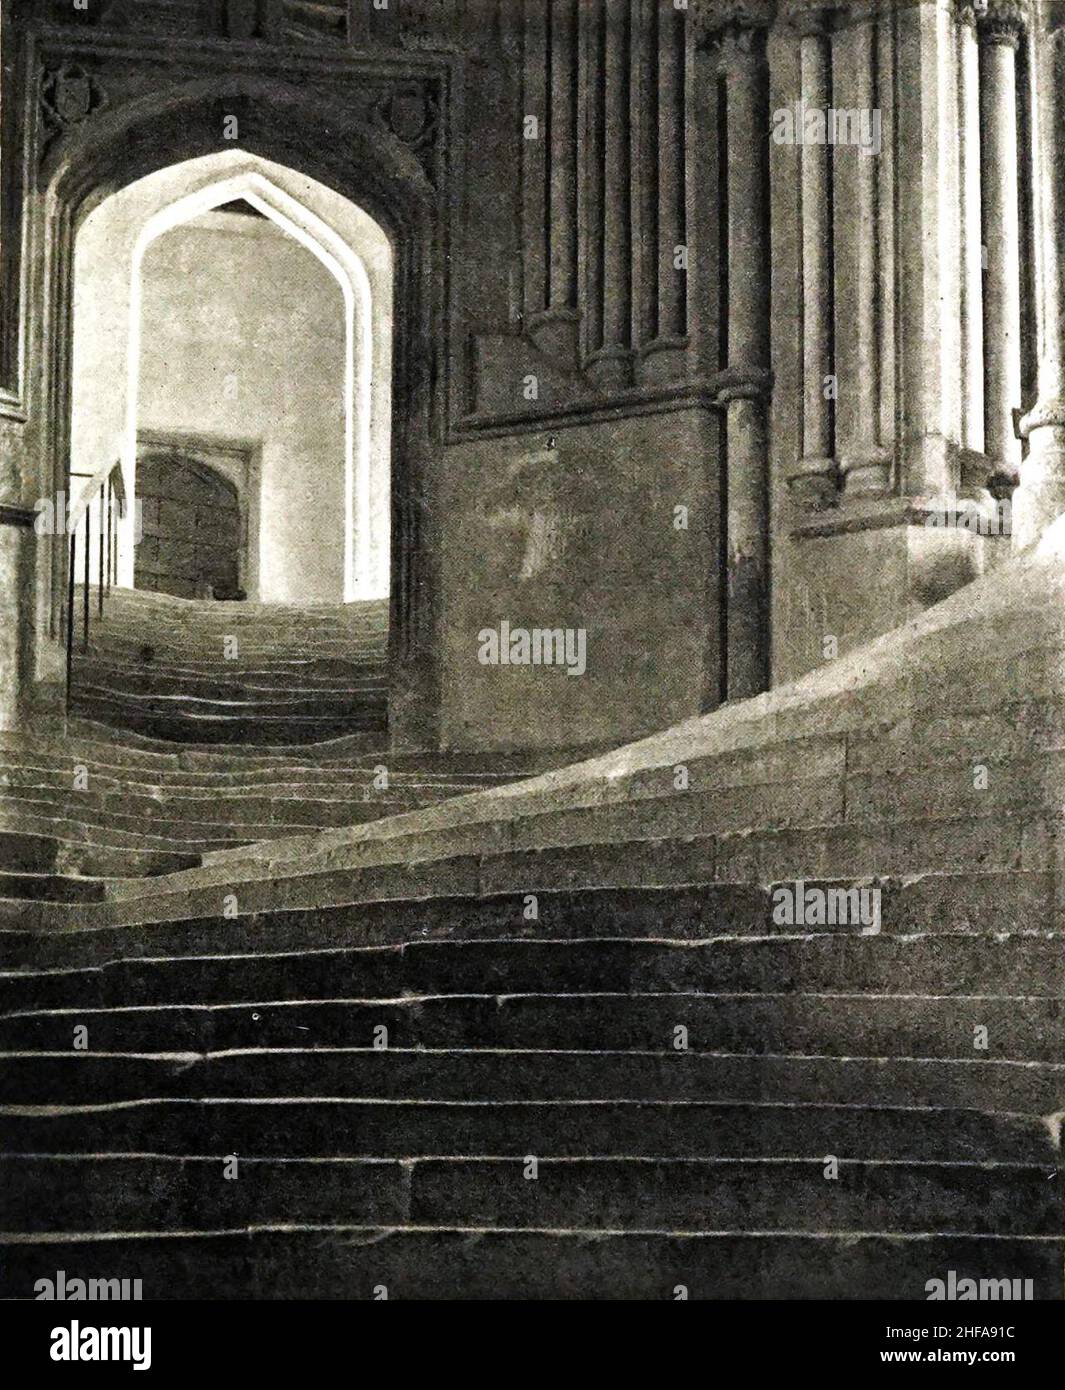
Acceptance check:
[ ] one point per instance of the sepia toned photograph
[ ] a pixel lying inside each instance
(532, 664)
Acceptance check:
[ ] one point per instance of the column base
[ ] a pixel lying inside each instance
(611, 368)
(866, 473)
(815, 486)
(1040, 495)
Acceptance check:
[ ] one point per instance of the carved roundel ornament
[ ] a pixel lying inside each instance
(69, 94)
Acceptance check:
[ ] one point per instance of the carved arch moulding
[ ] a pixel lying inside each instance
(67, 90)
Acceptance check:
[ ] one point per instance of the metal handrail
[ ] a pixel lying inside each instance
(107, 488)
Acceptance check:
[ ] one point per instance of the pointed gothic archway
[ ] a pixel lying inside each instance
(361, 161)
(113, 245)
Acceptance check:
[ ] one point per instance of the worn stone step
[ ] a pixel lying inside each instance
(218, 729)
(329, 1261)
(201, 807)
(75, 836)
(1027, 1029)
(222, 688)
(1012, 899)
(90, 732)
(764, 852)
(51, 887)
(157, 701)
(784, 1196)
(150, 1193)
(287, 654)
(259, 621)
(693, 913)
(116, 673)
(89, 746)
(962, 963)
(117, 813)
(400, 906)
(99, 861)
(27, 853)
(979, 1082)
(354, 1127)
(327, 782)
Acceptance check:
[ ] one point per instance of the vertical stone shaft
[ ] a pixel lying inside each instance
(554, 329)
(590, 267)
(563, 226)
(815, 60)
(865, 464)
(868, 259)
(672, 282)
(1002, 282)
(663, 325)
(1040, 498)
(1050, 176)
(748, 269)
(535, 100)
(972, 282)
(745, 383)
(611, 363)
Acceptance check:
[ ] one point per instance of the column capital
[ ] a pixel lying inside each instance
(742, 384)
(809, 18)
(1045, 414)
(997, 21)
(714, 18)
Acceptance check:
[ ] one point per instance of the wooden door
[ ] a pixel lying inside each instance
(191, 522)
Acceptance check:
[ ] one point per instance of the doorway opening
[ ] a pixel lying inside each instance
(194, 533)
(233, 354)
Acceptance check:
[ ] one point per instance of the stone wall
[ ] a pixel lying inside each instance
(609, 529)
(251, 305)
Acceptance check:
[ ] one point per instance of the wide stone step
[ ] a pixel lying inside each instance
(188, 674)
(265, 668)
(135, 754)
(330, 1127)
(378, 869)
(978, 1082)
(81, 838)
(1031, 965)
(298, 780)
(225, 616)
(840, 1025)
(314, 808)
(172, 825)
(329, 1261)
(399, 906)
(612, 1194)
(115, 751)
(110, 741)
(326, 704)
(234, 684)
(762, 834)
(242, 729)
(121, 681)
(281, 649)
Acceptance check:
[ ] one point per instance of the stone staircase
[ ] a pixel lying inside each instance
(199, 671)
(79, 813)
(557, 1038)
